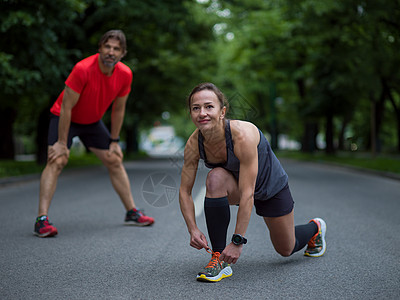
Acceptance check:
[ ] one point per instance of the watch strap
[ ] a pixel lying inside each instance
(114, 140)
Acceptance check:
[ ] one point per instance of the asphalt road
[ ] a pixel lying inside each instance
(96, 257)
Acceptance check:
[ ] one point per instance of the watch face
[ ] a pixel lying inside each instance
(237, 239)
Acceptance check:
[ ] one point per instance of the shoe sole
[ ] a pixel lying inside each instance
(323, 232)
(224, 273)
(44, 235)
(138, 224)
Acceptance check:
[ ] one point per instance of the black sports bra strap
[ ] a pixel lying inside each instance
(228, 135)
(201, 146)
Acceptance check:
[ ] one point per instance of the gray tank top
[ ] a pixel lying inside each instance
(271, 177)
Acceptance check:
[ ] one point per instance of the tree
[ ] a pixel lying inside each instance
(42, 42)
(33, 58)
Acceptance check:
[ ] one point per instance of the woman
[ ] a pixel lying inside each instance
(244, 172)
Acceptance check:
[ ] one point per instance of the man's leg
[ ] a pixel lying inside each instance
(48, 183)
(119, 177)
(120, 181)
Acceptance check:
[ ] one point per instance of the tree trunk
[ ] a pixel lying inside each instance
(397, 112)
(261, 109)
(273, 121)
(41, 136)
(379, 112)
(308, 143)
(330, 147)
(373, 129)
(132, 138)
(346, 120)
(309, 138)
(7, 118)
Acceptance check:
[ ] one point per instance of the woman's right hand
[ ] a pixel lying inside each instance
(198, 240)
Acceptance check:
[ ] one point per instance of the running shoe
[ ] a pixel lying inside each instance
(317, 245)
(43, 228)
(137, 217)
(215, 270)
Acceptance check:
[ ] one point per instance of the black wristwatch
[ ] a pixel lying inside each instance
(237, 239)
(114, 140)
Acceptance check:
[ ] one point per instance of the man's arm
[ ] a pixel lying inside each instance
(117, 119)
(60, 148)
(117, 115)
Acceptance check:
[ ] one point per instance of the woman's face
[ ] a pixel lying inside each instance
(205, 110)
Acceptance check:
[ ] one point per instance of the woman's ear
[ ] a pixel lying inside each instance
(223, 111)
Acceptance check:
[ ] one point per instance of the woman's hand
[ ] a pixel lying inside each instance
(231, 253)
(198, 240)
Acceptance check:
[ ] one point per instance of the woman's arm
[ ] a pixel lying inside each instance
(188, 176)
(246, 138)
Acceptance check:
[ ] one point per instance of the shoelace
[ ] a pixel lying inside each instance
(313, 241)
(214, 260)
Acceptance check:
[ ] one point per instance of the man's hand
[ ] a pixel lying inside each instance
(115, 148)
(231, 253)
(57, 150)
(198, 240)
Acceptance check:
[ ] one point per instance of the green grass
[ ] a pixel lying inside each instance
(383, 163)
(10, 168)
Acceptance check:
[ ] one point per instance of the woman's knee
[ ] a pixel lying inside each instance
(216, 180)
(284, 251)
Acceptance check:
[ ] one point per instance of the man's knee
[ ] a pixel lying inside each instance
(112, 161)
(59, 163)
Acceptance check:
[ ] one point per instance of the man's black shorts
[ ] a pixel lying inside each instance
(279, 205)
(94, 135)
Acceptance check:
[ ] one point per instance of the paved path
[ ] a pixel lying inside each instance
(96, 257)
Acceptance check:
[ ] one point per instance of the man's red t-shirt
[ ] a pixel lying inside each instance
(97, 91)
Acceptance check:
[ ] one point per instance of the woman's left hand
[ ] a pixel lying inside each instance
(231, 253)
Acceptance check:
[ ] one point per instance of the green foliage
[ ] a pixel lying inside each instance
(11, 168)
(289, 62)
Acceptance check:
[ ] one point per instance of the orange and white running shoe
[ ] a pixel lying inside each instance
(317, 245)
(215, 270)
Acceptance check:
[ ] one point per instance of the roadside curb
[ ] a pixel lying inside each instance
(14, 180)
(354, 168)
(18, 179)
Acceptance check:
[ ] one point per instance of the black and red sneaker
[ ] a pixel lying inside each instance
(43, 228)
(137, 217)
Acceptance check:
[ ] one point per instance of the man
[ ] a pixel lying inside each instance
(92, 86)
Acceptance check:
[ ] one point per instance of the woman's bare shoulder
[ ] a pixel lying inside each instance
(243, 130)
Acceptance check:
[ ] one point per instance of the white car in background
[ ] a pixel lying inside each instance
(161, 141)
